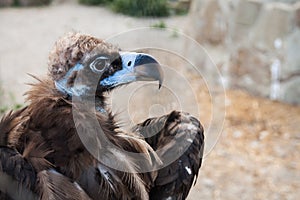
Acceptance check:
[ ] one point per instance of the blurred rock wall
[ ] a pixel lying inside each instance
(261, 40)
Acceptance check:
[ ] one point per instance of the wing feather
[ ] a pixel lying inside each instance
(17, 176)
(110, 183)
(53, 186)
(10, 124)
(166, 134)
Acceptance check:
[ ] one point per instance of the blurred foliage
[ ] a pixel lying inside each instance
(160, 24)
(4, 108)
(31, 2)
(23, 3)
(175, 33)
(140, 8)
(163, 25)
(180, 11)
(178, 7)
(94, 2)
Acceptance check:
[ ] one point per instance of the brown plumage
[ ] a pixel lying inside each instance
(177, 134)
(41, 151)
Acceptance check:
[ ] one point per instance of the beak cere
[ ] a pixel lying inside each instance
(135, 67)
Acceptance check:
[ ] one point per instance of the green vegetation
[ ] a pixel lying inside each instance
(180, 11)
(175, 33)
(24, 3)
(94, 2)
(4, 108)
(31, 2)
(140, 8)
(160, 25)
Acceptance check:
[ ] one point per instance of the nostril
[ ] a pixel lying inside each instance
(129, 63)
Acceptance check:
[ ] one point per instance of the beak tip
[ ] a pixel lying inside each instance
(161, 78)
(145, 67)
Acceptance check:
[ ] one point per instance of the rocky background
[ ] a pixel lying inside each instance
(261, 39)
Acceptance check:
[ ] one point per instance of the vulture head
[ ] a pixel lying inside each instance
(82, 65)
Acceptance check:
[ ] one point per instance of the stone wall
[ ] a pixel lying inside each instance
(261, 38)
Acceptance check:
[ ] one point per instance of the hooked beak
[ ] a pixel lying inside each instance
(135, 67)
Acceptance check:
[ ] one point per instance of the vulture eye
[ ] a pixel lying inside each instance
(100, 64)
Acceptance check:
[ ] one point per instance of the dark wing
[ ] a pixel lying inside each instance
(20, 175)
(17, 176)
(177, 134)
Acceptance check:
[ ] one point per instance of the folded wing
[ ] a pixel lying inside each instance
(179, 135)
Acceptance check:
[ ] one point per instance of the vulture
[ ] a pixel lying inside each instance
(67, 144)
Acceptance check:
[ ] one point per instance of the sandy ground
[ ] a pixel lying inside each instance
(257, 154)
